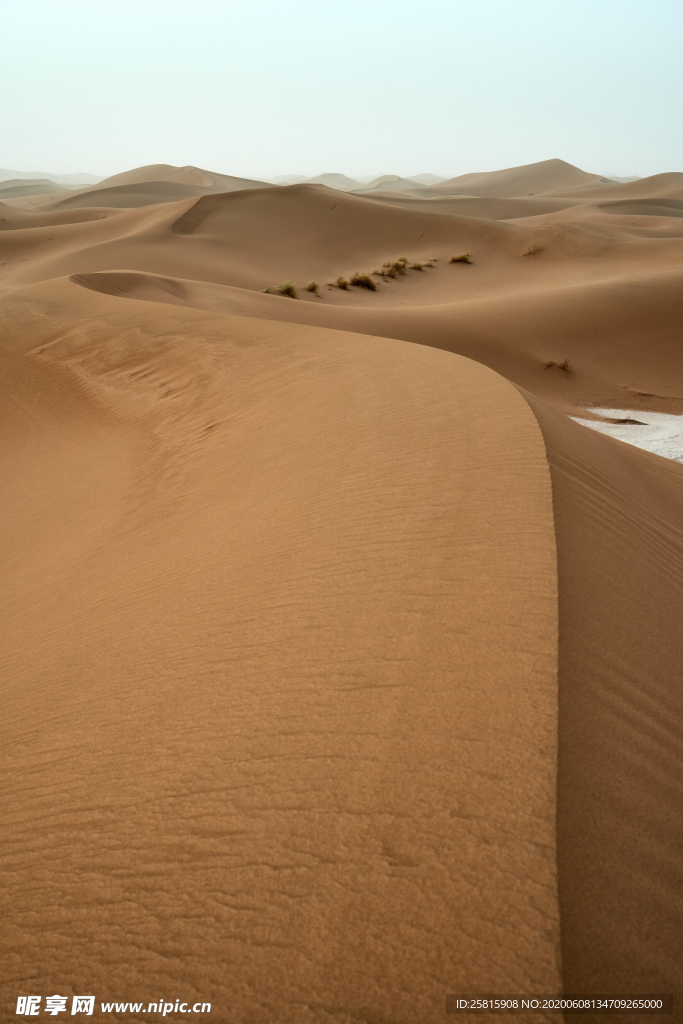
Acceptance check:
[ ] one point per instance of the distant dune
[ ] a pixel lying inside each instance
(338, 181)
(61, 179)
(146, 186)
(656, 186)
(427, 179)
(18, 188)
(287, 179)
(390, 182)
(529, 179)
(127, 196)
(180, 175)
(341, 664)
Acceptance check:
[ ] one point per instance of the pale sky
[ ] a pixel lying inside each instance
(260, 88)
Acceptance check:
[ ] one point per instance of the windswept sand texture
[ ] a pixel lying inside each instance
(342, 667)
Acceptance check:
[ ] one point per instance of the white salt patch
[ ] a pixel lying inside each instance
(661, 433)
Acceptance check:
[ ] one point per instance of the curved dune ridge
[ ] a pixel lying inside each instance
(342, 665)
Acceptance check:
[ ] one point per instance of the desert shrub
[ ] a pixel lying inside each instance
(312, 286)
(533, 250)
(565, 366)
(266, 291)
(342, 283)
(464, 257)
(287, 288)
(390, 268)
(417, 266)
(363, 281)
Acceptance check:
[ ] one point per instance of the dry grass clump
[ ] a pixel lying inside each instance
(464, 257)
(312, 286)
(388, 270)
(392, 268)
(287, 288)
(565, 366)
(342, 283)
(266, 291)
(533, 250)
(363, 281)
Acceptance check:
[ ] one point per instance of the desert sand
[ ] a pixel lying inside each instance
(342, 664)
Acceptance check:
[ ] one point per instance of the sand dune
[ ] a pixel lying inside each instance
(336, 181)
(180, 175)
(427, 178)
(390, 183)
(655, 207)
(539, 178)
(149, 185)
(343, 665)
(128, 196)
(476, 206)
(17, 188)
(656, 186)
(71, 180)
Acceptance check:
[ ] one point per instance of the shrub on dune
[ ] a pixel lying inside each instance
(565, 366)
(533, 250)
(363, 281)
(417, 266)
(342, 283)
(464, 257)
(287, 288)
(312, 286)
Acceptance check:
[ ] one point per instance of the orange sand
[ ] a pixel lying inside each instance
(342, 667)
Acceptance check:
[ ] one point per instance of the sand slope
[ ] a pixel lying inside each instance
(304, 569)
(620, 772)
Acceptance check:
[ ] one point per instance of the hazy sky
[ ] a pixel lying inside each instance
(261, 88)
